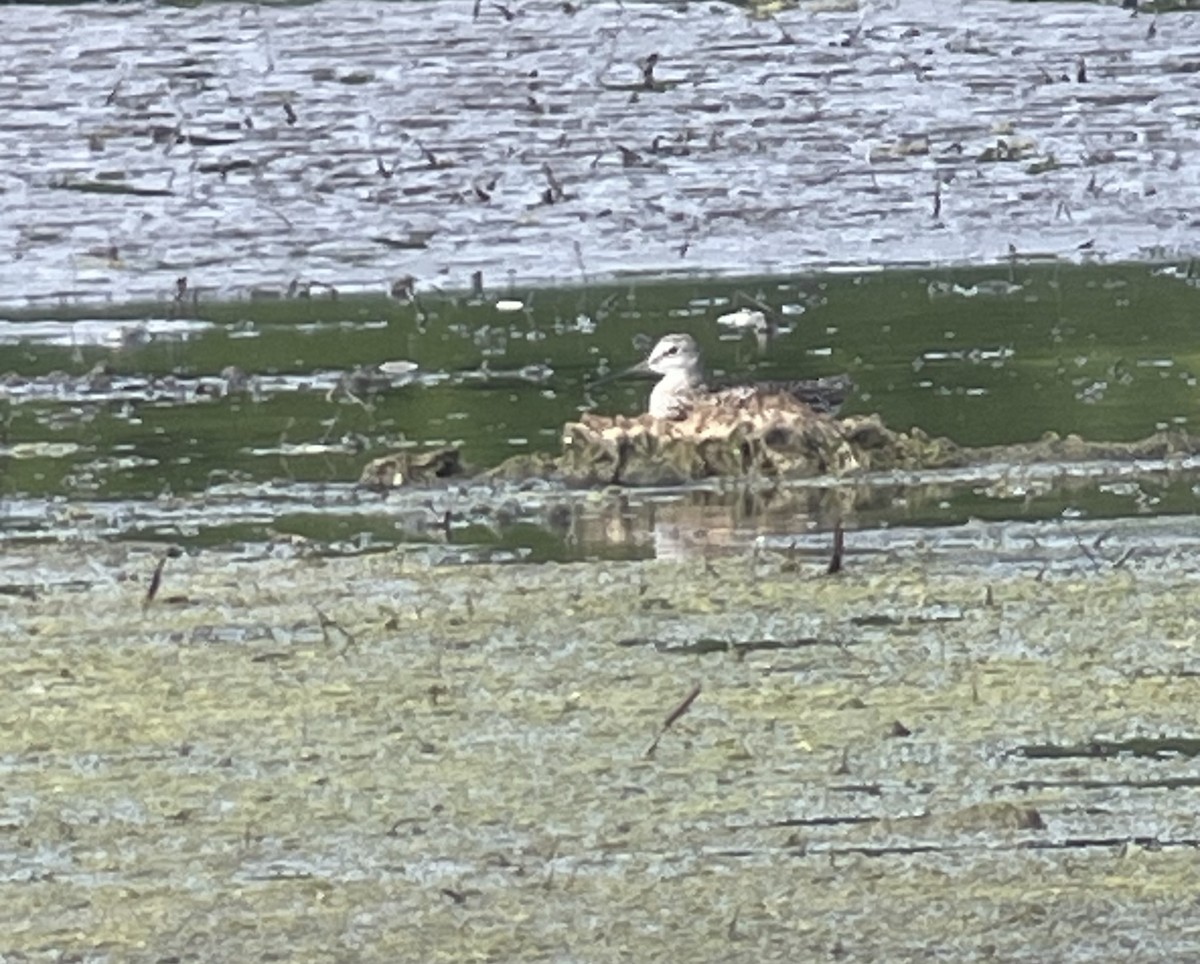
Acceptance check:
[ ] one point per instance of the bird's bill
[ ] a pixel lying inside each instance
(641, 368)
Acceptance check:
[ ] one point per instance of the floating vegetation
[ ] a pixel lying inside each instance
(338, 744)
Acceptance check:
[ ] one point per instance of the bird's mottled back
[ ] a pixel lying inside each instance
(677, 359)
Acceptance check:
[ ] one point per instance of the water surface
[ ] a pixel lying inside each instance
(261, 148)
(132, 422)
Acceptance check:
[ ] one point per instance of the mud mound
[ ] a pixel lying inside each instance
(771, 435)
(767, 436)
(406, 468)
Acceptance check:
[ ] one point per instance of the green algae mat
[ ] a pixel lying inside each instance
(979, 746)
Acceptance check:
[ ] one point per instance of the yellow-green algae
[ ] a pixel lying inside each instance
(375, 759)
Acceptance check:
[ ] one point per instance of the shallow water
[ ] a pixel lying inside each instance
(193, 189)
(160, 443)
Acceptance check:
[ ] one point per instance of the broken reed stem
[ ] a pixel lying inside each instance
(839, 550)
(155, 581)
(173, 552)
(674, 715)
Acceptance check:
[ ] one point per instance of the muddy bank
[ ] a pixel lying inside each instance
(413, 762)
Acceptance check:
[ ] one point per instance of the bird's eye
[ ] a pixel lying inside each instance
(673, 350)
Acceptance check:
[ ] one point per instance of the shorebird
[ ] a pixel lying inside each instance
(676, 358)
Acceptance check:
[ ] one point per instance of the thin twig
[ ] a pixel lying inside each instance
(674, 715)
